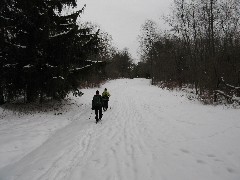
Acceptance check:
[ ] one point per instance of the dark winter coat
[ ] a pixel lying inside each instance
(97, 101)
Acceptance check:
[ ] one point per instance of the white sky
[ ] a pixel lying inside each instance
(122, 19)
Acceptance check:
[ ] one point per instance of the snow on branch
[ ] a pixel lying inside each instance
(230, 98)
(81, 68)
(60, 34)
(5, 18)
(16, 45)
(93, 61)
(67, 24)
(228, 85)
(10, 65)
(84, 67)
(50, 66)
(58, 77)
(218, 92)
(28, 66)
(235, 98)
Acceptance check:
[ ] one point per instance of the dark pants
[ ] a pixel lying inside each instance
(98, 113)
(105, 104)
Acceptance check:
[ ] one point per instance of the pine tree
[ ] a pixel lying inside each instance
(8, 48)
(42, 50)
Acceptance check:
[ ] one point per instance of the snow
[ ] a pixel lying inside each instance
(82, 67)
(93, 61)
(60, 34)
(77, 69)
(147, 133)
(89, 65)
(236, 98)
(10, 65)
(5, 18)
(17, 45)
(58, 77)
(50, 66)
(233, 87)
(28, 66)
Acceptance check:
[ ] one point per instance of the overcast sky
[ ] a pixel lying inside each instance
(122, 19)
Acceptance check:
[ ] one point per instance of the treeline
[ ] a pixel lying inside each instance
(44, 51)
(201, 49)
(120, 65)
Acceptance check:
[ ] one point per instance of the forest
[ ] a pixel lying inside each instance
(201, 50)
(47, 52)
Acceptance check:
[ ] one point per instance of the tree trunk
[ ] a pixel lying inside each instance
(1, 96)
(212, 29)
(31, 94)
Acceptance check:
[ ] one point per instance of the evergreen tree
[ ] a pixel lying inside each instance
(41, 49)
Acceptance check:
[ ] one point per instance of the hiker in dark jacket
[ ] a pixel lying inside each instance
(97, 104)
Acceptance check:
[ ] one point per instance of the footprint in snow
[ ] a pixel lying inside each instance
(211, 155)
(185, 151)
(200, 161)
(230, 170)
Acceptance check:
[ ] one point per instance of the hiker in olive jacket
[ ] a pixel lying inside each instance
(105, 97)
(97, 104)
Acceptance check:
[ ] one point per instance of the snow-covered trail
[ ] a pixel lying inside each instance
(148, 133)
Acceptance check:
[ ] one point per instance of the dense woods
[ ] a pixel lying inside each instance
(202, 49)
(43, 51)
(48, 53)
(120, 65)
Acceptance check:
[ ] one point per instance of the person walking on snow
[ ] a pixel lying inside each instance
(105, 96)
(97, 104)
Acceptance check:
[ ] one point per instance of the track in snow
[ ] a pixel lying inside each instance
(147, 133)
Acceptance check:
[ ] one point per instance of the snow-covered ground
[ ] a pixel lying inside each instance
(147, 134)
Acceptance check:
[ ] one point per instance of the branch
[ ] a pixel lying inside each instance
(228, 85)
(228, 97)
